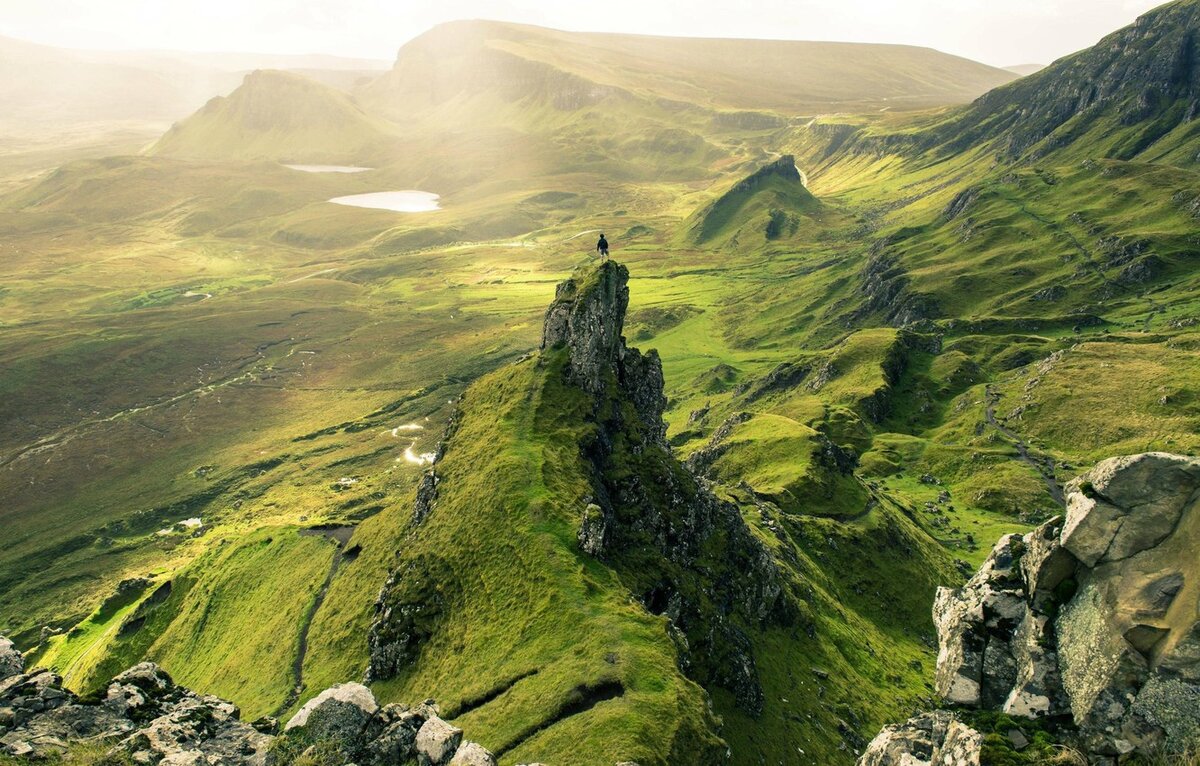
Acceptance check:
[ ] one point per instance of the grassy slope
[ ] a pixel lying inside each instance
(520, 608)
(281, 116)
(722, 74)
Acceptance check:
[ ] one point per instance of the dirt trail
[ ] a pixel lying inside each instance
(339, 536)
(1043, 464)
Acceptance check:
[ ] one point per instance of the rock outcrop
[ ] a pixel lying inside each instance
(587, 317)
(1092, 619)
(146, 718)
(646, 517)
(656, 502)
(11, 661)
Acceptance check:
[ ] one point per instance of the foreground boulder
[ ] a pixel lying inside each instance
(1091, 619)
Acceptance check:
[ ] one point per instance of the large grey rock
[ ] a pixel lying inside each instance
(352, 699)
(911, 743)
(11, 661)
(1094, 615)
(1129, 504)
(437, 742)
(472, 754)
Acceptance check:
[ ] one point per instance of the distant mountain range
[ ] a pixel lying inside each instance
(44, 85)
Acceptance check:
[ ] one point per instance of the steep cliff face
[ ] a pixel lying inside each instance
(1090, 621)
(682, 551)
(1146, 75)
(587, 318)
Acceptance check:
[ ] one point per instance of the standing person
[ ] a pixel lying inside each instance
(602, 247)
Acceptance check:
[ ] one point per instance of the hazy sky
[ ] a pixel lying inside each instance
(1000, 32)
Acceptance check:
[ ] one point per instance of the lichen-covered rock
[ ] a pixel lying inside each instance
(1127, 505)
(201, 730)
(139, 692)
(1037, 688)
(911, 743)
(11, 661)
(975, 626)
(25, 696)
(437, 742)
(472, 754)
(962, 746)
(341, 714)
(397, 742)
(1092, 616)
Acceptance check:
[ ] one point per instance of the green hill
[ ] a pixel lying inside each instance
(1132, 96)
(792, 78)
(279, 116)
(768, 204)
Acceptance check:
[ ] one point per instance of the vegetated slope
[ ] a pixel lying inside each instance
(1031, 266)
(1135, 94)
(281, 116)
(768, 204)
(565, 583)
(942, 320)
(782, 76)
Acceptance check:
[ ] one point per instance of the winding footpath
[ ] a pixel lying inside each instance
(1043, 464)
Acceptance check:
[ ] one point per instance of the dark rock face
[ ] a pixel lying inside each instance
(644, 498)
(886, 290)
(1090, 618)
(407, 613)
(588, 317)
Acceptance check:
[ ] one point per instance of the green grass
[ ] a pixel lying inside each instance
(517, 598)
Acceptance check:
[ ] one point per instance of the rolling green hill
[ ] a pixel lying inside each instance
(885, 339)
(791, 78)
(280, 116)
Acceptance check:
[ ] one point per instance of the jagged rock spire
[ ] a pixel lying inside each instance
(587, 317)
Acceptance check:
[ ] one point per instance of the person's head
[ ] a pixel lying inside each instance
(601, 235)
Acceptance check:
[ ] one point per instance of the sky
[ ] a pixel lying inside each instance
(997, 32)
